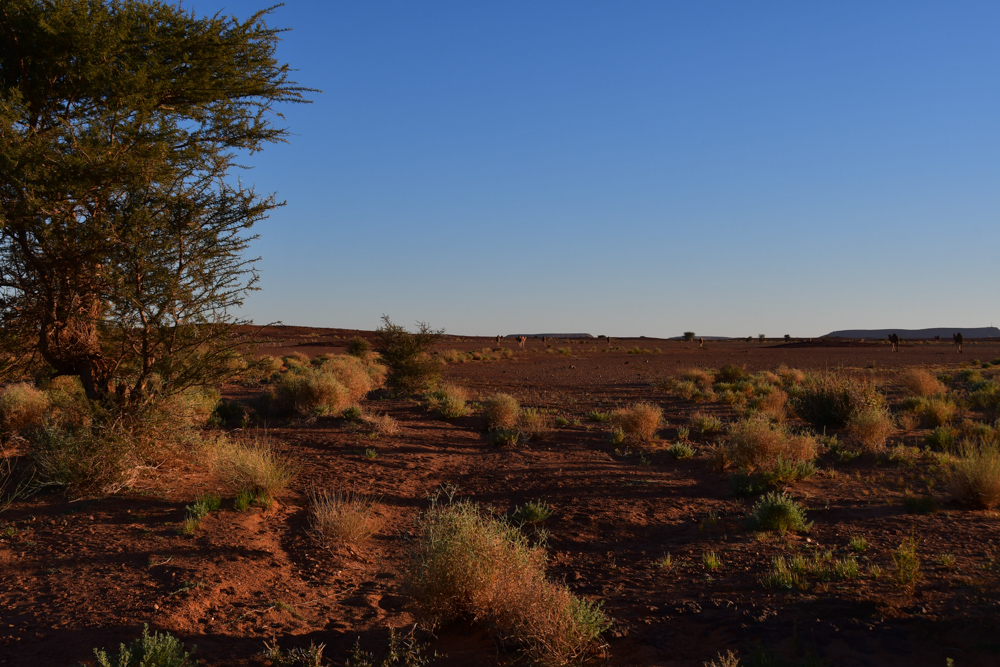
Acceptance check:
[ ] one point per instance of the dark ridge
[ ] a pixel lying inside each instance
(943, 332)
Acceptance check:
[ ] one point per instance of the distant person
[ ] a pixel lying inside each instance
(959, 339)
(894, 339)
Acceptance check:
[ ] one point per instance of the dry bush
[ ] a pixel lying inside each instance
(22, 407)
(342, 518)
(771, 404)
(295, 360)
(381, 424)
(501, 411)
(448, 401)
(830, 400)
(790, 376)
(639, 422)
(919, 382)
(192, 407)
(469, 563)
(85, 461)
(937, 411)
(338, 382)
(871, 427)
(907, 421)
(700, 377)
(756, 445)
(251, 466)
(454, 356)
(975, 474)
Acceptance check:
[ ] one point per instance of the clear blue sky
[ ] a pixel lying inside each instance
(636, 168)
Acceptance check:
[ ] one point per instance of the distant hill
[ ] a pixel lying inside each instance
(944, 332)
(552, 335)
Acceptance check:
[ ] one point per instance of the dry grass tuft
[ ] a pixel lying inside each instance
(471, 563)
(342, 518)
(251, 466)
(381, 424)
(326, 389)
(975, 474)
(871, 426)
(501, 411)
(919, 382)
(639, 422)
(448, 401)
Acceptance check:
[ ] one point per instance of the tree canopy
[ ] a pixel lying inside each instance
(122, 230)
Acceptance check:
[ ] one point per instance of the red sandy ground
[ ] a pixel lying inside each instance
(79, 574)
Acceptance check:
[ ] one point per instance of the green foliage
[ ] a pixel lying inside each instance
(778, 512)
(598, 416)
(151, 650)
(448, 401)
(680, 450)
(907, 563)
(975, 474)
(359, 347)
(406, 354)
(122, 228)
(533, 512)
(294, 657)
(942, 438)
(404, 650)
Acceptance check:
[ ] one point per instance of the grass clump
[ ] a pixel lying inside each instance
(975, 474)
(831, 400)
(22, 407)
(500, 411)
(448, 401)
(639, 422)
(706, 426)
(871, 426)
(469, 563)
(251, 467)
(906, 562)
(342, 518)
(359, 347)
(411, 368)
(942, 438)
(680, 450)
(934, 411)
(598, 416)
(778, 512)
(380, 424)
(150, 650)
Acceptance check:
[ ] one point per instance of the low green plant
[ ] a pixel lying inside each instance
(906, 562)
(295, 657)
(352, 413)
(533, 512)
(598, 416)
(783, 576)
(918, 504)
(942, 438)
(505, 436)
(858, 543)
(706, 426)
(680, 450)
(448, 401)
(151, 650)
(665, 562)
(778, 512)
(203, 505)
(711, 560)
(371, 453)
(404, 650)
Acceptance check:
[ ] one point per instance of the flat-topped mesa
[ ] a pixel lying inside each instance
(945, 333)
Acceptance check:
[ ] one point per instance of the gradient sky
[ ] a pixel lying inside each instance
(634, 168)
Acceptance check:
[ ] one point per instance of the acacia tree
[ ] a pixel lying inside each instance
(122, 231)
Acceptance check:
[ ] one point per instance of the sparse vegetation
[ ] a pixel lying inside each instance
(871, 426)
(150, 650)
(919, 382)
(448, 401)
(251, 466)
(22, 407)
(778, 512)
(756, 445)
(342, 518)
(469, 562)
(831, 400)
(975, 474)
(405, 354)
(500, 411)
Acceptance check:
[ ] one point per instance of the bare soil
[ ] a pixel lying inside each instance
(76, 574)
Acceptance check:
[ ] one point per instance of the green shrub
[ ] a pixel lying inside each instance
(778, 512)
(151, 650)
(598, 416)
(203, 505)
(975, 474)
(352, 413)
(830, 400)
(448, 401)
(405, 354)
(706, 426)
(986, 398)
(359, 347)
(942, 438)
(533, 512)
(533, 424)
(680, 450)
(730, 373)
(22, 407)
(907, 563)
(471, 563)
